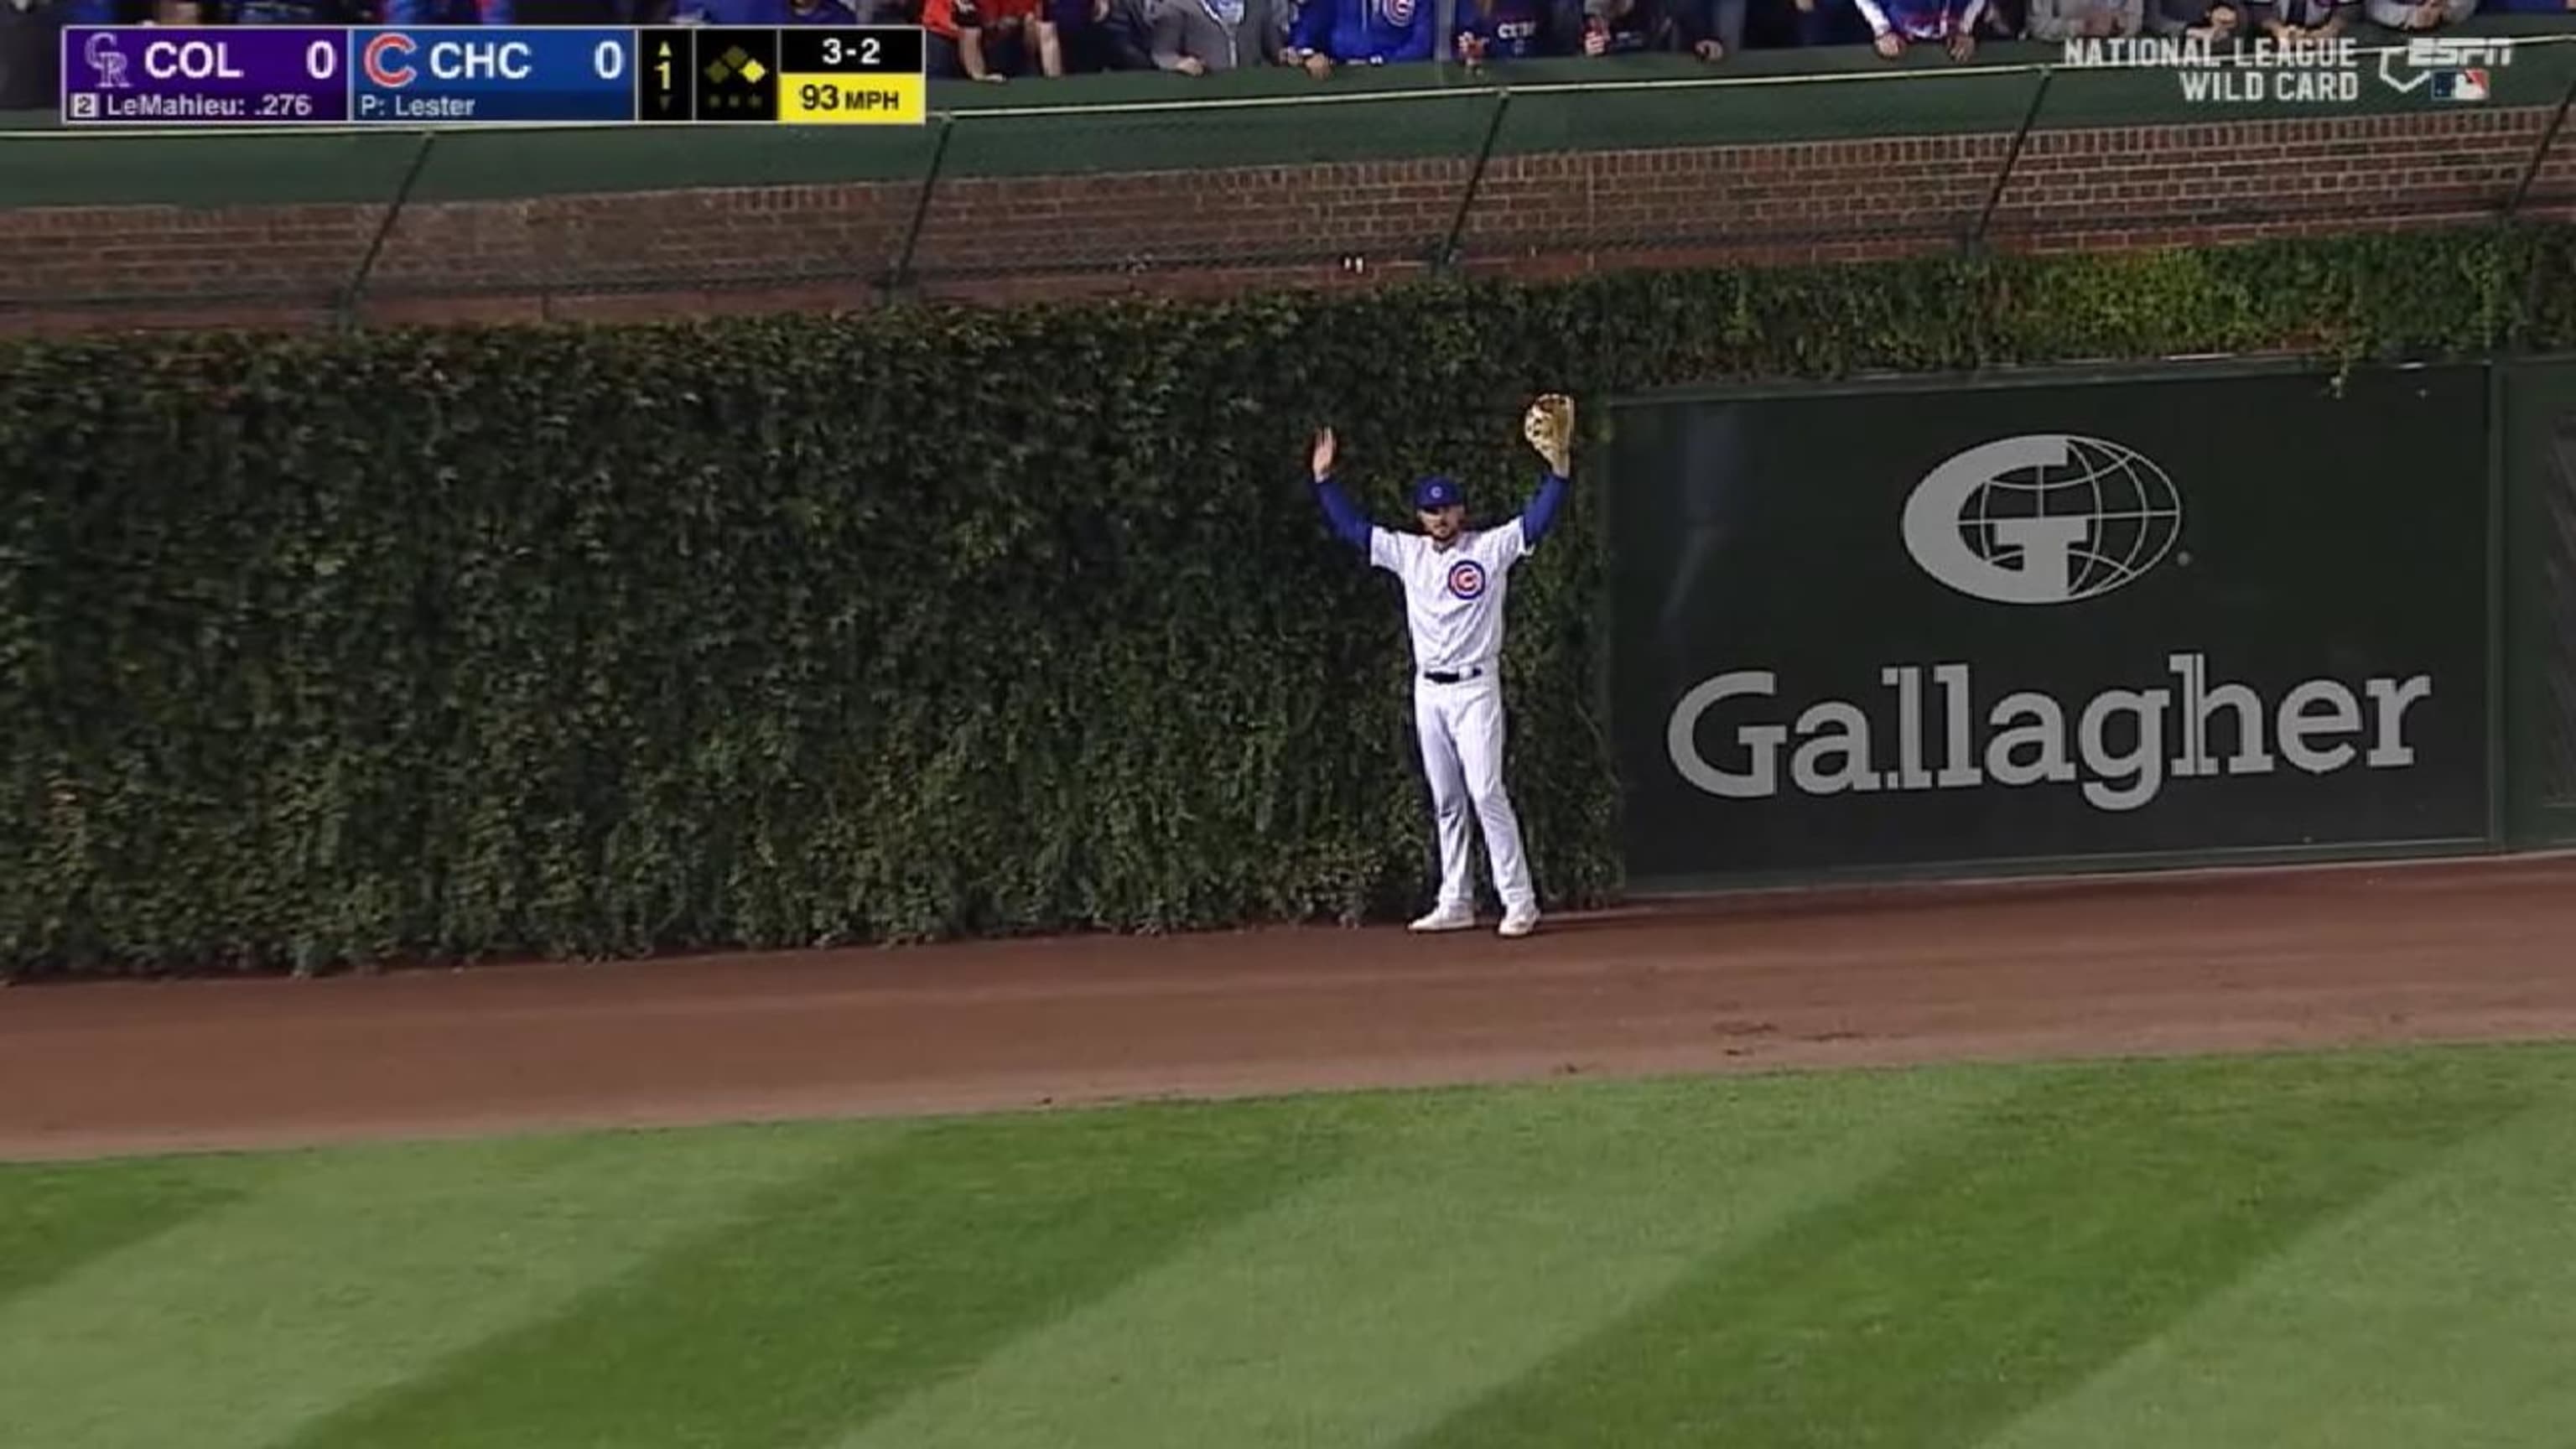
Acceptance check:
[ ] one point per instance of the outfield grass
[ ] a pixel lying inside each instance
(2353, 1250)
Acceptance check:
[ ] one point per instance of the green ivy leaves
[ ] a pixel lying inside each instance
(451, 644)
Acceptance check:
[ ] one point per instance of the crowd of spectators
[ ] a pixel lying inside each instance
(995, 40)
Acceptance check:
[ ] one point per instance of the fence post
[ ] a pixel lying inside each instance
(2540, 153)
(901, 276)
(1447, 256)
(1976, 240)
(345, 315)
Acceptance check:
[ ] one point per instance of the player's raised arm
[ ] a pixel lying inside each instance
(1549, 427)
(1349, 524)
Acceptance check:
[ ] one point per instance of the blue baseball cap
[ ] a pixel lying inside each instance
(1436, 492)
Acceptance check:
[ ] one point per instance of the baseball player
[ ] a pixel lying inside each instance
(1454, 578)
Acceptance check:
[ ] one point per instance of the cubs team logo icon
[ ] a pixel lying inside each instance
(1467, 578)
(386, 59)
(1398, 13)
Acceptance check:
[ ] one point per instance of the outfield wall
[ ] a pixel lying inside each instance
(569, 641)
(2073, 619)
(2536, 638)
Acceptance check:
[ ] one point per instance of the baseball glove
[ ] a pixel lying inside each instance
(1549, 426)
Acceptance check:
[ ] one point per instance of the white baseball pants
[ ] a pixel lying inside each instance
(1461, 726)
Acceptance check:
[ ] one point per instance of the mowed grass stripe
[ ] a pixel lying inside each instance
(1997, 1270)
(55, 1218)
(846, 1290)
(1496, 1228)
(2443, 1313)
(349, 1272)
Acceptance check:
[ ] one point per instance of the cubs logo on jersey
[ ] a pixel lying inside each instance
(1398, 13)
(1467, 578)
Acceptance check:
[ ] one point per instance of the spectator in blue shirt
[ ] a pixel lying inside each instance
(1327, 33)
(95, 12)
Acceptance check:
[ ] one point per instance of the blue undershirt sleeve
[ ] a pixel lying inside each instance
(1349, 524)
(1540, 516)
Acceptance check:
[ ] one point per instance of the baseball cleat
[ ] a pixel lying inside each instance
(1519, 923)
(1446, 918)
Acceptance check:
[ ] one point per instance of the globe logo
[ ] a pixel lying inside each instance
(2046, 518)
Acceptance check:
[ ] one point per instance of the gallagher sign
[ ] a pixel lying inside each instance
(2050, 622)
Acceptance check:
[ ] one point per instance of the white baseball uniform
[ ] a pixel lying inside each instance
(1453, 604)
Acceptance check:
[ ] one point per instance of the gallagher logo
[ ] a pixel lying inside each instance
(2045, 518)
(387, 60)
(1467, 578)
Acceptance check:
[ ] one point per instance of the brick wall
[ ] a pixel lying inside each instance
(660, 254)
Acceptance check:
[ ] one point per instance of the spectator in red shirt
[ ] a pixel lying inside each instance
(990, 40)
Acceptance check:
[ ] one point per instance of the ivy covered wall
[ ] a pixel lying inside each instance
(447, 644)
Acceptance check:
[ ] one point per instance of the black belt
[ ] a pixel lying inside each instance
(1439, 676)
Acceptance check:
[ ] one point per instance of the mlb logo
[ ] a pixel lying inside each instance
(2460, 85)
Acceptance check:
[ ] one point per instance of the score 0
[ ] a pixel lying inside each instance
(867, 75)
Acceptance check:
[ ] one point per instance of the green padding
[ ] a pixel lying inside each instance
(1130, 123)
(1401, 125)
(1936, 102)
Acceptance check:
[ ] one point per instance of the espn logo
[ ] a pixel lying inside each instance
(2426, 52)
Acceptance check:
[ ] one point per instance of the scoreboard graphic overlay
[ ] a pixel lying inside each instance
(437, 76)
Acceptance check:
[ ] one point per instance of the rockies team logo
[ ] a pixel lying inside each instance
(107, 60)
(1467, 578)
